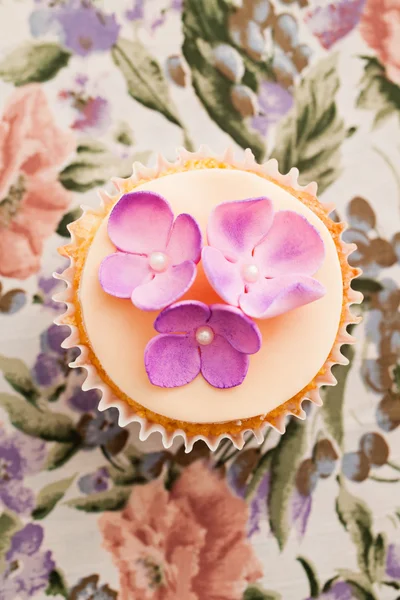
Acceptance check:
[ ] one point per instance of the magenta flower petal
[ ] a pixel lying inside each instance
(182, 317)
(121, 273)
(140, 222)
(272, 297)
(171, 360)
(223, 275)
(236, 227)
(292, 245)
(222, 365)
(165, 288)
(240, 331)
(185, 241)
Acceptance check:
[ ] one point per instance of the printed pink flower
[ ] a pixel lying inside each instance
(380, 28)
(260, 260)
(195, 338)
(185, 544)
(155, 262)
(332, 21)
(32, 201)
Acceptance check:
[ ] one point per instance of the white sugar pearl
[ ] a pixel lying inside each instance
(158, 261)
(251, 273)
(204, 335)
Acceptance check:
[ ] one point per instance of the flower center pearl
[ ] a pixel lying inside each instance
(204, 335)
(251, 273)
(158, 261)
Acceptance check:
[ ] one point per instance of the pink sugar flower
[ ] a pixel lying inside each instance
(261, 260)
(195, 338)
(155, 262)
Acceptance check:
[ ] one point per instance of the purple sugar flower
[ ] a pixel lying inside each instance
(261, 260)
(155, 262)
(274, 102)
(27, 568)
(195, 338)
(20, 455)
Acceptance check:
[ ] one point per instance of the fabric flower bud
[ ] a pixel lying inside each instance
(244, 100)
(176, 70)
(286, 32)
(284, 69)
(355, 466)
(375, 448)
(253, 40)
(262, 12)
(301, 56)
(229, 62)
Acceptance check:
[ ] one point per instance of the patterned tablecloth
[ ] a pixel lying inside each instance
(87, 511)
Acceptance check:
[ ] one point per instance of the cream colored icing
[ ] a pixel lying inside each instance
(295, 345)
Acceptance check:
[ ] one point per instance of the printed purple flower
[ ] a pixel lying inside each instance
(393, 561)
(94, 482)
(101, 429)
(274, 102)
(20, 455)
(195, 338)
(93, 115)
(153, 15)
(331, 22)
(81, 27)
(27, 568)
(155, 262)
(84, 401)
(301, 510)
(51, 365)
(339, 591)
(260, 260)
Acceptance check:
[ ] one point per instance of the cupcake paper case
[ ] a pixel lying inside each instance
(83, 232)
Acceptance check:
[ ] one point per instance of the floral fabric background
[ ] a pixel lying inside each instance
(87, 511)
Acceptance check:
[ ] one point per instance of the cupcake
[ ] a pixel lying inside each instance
(208, 297)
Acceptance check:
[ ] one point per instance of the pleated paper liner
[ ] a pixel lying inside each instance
(82, 232)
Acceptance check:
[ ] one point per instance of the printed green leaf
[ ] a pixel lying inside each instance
(44, 424)
(17, 374)
(113, 499)
(263, 466)
(49, 496)
(60, 453)
(286, 458)
(366, 285)
(378, 93)
(33, 63)
(90, 169)
(144, 77)
(356, 518)
(255, 592)
(311, 135)
(9, 524)
(333, 398)
(393, 584)
(312, 576)
(377, 558)
(57, 585)
(68, 218)
(204, 24)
